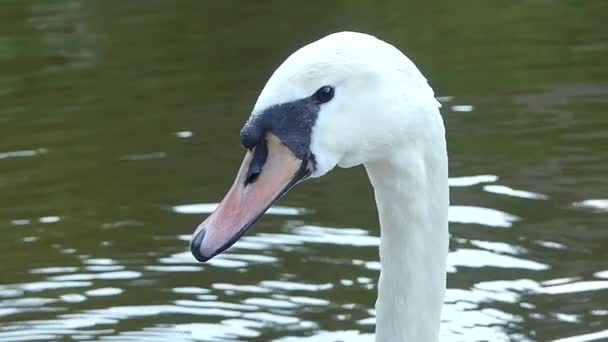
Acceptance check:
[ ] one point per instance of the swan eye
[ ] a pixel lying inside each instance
(324, 94)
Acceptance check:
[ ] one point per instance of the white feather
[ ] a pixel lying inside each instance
(384, 116)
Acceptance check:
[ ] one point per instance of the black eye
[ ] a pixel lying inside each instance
(324, 94)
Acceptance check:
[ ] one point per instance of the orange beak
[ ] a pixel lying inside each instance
(248, 199)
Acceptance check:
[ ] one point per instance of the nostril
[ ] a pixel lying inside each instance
(260, 153)
(253, 174)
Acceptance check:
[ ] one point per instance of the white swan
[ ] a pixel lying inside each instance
(346, 100)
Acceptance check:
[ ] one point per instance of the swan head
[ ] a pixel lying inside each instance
(343, 100)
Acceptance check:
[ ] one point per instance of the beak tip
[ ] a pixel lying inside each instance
(195, 247)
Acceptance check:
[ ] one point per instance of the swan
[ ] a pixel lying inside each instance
(352, 99)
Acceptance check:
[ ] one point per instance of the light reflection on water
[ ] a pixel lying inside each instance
(243, 311)
(23, 153)
(594, 204)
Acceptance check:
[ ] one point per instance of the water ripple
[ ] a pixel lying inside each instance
(23, 153)
(471, 180)
(594, 204)
(483, 216)
(505, 190)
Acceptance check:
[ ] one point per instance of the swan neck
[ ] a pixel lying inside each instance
(412, 197)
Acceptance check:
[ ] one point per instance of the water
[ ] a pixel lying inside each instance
(119, 131)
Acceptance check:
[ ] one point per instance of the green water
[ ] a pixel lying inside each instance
(119, 128)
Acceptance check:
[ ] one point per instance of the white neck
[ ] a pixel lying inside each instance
(412, 197)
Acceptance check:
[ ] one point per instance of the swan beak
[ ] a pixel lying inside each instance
(248, 198)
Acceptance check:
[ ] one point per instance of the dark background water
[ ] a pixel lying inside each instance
(119, 125)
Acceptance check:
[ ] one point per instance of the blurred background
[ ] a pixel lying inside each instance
(119, 125)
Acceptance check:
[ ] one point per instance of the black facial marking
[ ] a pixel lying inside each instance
(291, 122)
(251, 135)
